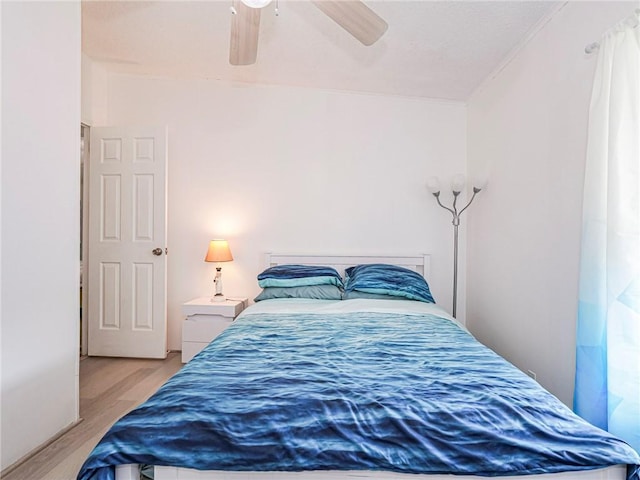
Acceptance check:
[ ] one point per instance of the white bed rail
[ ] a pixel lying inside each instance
(130, 472)
(127, 472)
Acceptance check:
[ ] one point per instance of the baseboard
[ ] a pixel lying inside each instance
(38, 449)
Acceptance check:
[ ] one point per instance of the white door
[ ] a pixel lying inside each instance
(127, 242)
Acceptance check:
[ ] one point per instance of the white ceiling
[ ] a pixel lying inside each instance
(434, 49)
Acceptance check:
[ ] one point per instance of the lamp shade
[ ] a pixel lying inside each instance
(218, 251)
(457, 184)
(433, 185)
(480, 182)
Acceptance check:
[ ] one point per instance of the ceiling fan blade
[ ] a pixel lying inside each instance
(245, 24)
(355, 17)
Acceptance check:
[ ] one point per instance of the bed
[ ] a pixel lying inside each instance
(372, 384)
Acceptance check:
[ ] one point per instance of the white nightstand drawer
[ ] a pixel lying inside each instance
(204, 328)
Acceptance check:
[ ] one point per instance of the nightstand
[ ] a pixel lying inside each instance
(205, 321)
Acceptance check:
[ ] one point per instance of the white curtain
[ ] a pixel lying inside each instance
(607, 389)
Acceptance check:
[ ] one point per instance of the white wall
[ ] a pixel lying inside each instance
(528, 126)
(294, 170)
(94, 92)
(40, 222)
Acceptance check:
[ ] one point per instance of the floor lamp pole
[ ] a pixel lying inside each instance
(455, 269)
(435, 190)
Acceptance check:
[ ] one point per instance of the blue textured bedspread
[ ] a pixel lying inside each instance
(367, 391)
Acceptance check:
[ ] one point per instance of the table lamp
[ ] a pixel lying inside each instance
(218, 252)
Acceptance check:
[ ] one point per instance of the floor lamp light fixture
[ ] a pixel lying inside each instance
(457, 185)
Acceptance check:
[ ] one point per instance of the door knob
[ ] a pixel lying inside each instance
(157, 251)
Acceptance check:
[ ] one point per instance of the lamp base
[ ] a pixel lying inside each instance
(218, 297)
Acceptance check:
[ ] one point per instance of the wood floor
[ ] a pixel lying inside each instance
(109, 388)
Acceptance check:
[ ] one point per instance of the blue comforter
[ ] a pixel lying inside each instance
(367, 391)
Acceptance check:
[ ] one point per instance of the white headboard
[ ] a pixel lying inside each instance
(417, 263)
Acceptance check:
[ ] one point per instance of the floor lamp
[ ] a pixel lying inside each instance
(457, 185)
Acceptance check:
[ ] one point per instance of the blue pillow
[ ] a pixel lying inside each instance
(299, 276)
(389, 280)
(316, 292)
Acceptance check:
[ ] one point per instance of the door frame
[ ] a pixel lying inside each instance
(85, 133)
(85, 170)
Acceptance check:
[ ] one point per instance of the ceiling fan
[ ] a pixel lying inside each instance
(352, 15)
